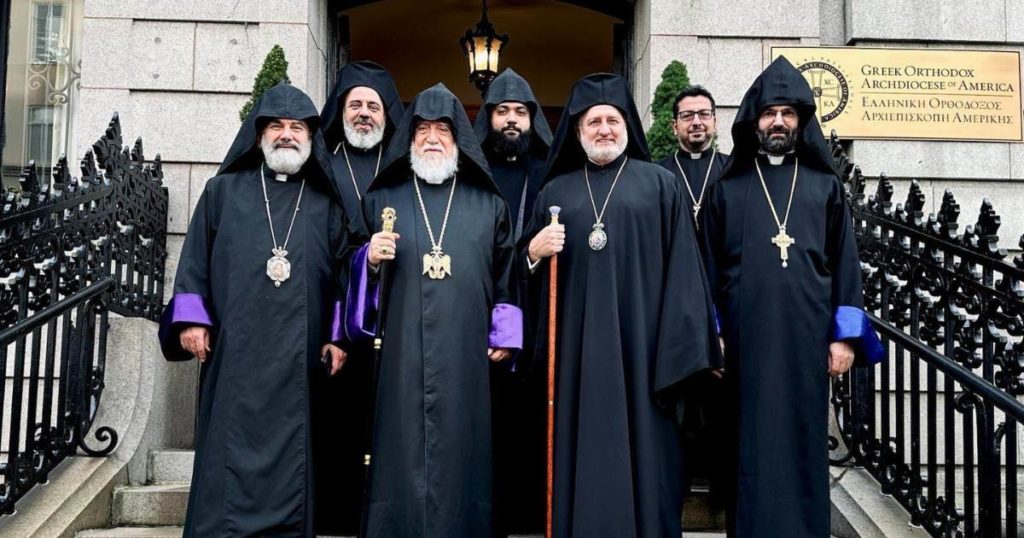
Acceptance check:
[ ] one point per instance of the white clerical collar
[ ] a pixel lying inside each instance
(776, 160)
(281, 177)
(700, 154)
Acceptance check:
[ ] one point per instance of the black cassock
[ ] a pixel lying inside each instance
(634, 322)
(702, 437)
(253, 473)
(341, 403)
(708, 164)
(778, 322)
(431, 474)
(518, 393)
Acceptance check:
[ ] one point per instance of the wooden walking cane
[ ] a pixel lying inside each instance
(552, 328)
(388, 218)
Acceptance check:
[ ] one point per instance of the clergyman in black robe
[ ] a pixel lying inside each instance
(359, 118)
(634, 318)
(515, 137)
(787, 287)
(450, 312)
(697, 165)
(260, 326)
(697, 162)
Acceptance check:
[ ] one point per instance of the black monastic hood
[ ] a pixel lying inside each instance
(367, 74)
(597, 89)
(510, 86)
(435, 103)
(281, 101)
(779, 84)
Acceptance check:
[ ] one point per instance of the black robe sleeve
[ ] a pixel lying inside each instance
(506, 316)
(343, 234)
(190, 304)
(687, 338)
(850, 323)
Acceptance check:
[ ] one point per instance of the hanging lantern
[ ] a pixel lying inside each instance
(482, 47)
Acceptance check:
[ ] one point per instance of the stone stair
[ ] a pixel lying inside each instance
(154, 510)
(157, 509)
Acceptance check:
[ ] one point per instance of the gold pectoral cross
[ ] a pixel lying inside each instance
(437, 264)
(783, 241)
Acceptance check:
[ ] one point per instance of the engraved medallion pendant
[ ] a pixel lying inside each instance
(279, 268)
(598, 238)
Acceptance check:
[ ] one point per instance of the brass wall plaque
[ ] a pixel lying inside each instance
(918, 94)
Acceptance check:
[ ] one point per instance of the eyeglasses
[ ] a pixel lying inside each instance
(687, 115)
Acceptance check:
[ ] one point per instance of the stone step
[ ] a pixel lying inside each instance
(176, 532)
(132, 532)
(154, 505)
(170, 466)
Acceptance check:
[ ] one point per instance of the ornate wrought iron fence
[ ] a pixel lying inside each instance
(938, 423)
(71, 252)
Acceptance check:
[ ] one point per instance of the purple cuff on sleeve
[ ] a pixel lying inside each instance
(852, 325)
(506, 327)
(336, 328)
(361, 299)
(184, 310)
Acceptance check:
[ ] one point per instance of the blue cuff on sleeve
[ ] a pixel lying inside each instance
(852, 325)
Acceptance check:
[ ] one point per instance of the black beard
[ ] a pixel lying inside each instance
(777, 146)
(500, 145)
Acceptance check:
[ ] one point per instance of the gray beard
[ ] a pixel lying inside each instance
(433, 170)
(362, 140)
(605, 154)
(285, 160)
(776, 146)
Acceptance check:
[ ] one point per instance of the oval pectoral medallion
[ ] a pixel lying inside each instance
(279, 268)
(598, 238)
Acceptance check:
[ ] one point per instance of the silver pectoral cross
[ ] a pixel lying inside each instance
(696, 219)
(783, 241)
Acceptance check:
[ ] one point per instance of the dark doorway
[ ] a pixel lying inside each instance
(552, 43)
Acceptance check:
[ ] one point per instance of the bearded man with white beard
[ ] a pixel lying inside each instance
(451, 311)
(634, 318)
(359, 119)
(253, 301)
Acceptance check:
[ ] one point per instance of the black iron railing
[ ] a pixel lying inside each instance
(71, 252)
(937, 424)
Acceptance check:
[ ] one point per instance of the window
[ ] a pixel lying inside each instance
(47, 23)
(40, 135)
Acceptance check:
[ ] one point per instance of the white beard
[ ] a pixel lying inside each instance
(604, 154)
(434, 170)
(285, 160)
(362, 140)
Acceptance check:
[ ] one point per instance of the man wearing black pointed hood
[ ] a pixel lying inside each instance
(634, 318)
(451, 311)
(516, 138)
(253, 301)
(359, 119)
(785, 277)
